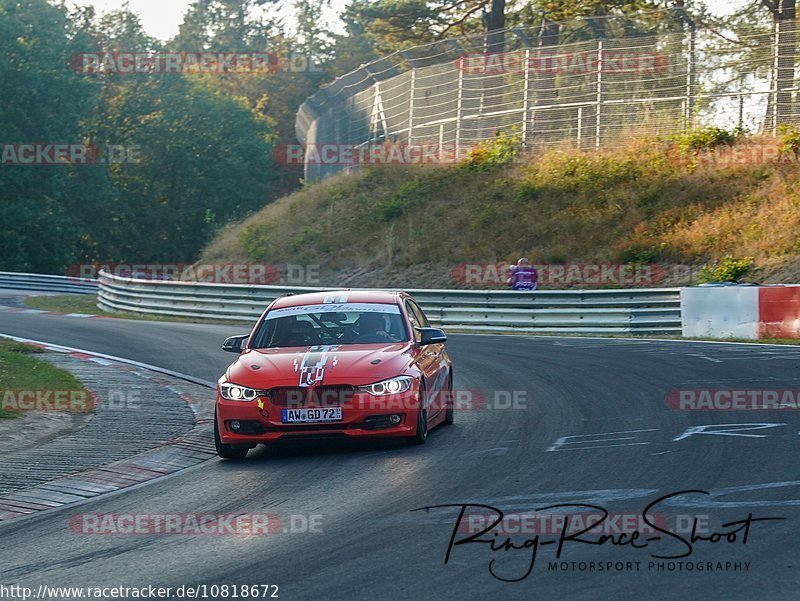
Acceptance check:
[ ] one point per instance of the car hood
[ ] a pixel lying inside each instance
(355, 364)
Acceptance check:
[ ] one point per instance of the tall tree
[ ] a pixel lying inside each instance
(41, 102)
(226, 26)
(392, 25)
(494, 23)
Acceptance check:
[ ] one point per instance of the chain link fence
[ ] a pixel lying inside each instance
(433, 103)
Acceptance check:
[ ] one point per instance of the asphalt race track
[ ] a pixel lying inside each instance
(632, 449)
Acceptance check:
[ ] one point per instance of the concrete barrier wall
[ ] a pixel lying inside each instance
(741, 312)
(725, 312)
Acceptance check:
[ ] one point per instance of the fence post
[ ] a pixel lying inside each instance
(580, 127)
(411, 106)
(691, 67)
(598, 121)
(741, 112)
(459, 104)
(350, 111)
(526, 97)
(776, 39)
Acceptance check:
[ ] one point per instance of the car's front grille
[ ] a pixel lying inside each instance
(313, 436)
(289, 397)
(318, 396)
(332, 396)
(311, 427)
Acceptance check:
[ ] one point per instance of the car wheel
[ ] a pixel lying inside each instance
(227, 451)
(450, 412)
(421, 435)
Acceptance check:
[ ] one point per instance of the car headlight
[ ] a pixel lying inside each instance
(234, 392)
(391, 386)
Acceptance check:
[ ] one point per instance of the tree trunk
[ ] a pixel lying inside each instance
(495, 22)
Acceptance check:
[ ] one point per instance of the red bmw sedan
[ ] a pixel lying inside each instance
(357, 364)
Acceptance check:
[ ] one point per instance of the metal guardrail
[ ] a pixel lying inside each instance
(46, 283)
(624, 311)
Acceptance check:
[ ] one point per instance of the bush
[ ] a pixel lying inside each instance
(790, 138)
(255, 239)
(499, 151)
(408, 195)
(703, 138)
(727, 270)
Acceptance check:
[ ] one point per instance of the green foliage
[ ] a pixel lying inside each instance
(630, 206)
(497, 152)
(638, 256)
(703, 138)
(790, 138)
(19, 370)
(407, 195)
(204, 143)
(729, 269)
(393, 207)
(195, 164)
(255, 239)
(391, 25)
(41, 101)
(587, 172)
(526, 193)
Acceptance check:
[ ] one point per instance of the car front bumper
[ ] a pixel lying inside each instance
(363, 417)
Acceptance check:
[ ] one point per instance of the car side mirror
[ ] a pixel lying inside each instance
(235, 344)
(431, 336)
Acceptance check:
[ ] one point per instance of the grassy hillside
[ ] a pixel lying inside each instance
(654, 202)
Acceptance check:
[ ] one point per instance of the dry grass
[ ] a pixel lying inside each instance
(408, 226)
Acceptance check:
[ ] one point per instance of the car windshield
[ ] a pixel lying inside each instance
(343, 323)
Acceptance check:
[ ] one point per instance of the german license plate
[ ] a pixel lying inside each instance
(311, 416)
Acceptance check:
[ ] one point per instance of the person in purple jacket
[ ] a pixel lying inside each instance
(523, 276)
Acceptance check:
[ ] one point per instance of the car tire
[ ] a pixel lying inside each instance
(450, 412)
(421, 435)
(227, 451)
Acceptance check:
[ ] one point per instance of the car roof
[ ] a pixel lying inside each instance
(340, 296)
